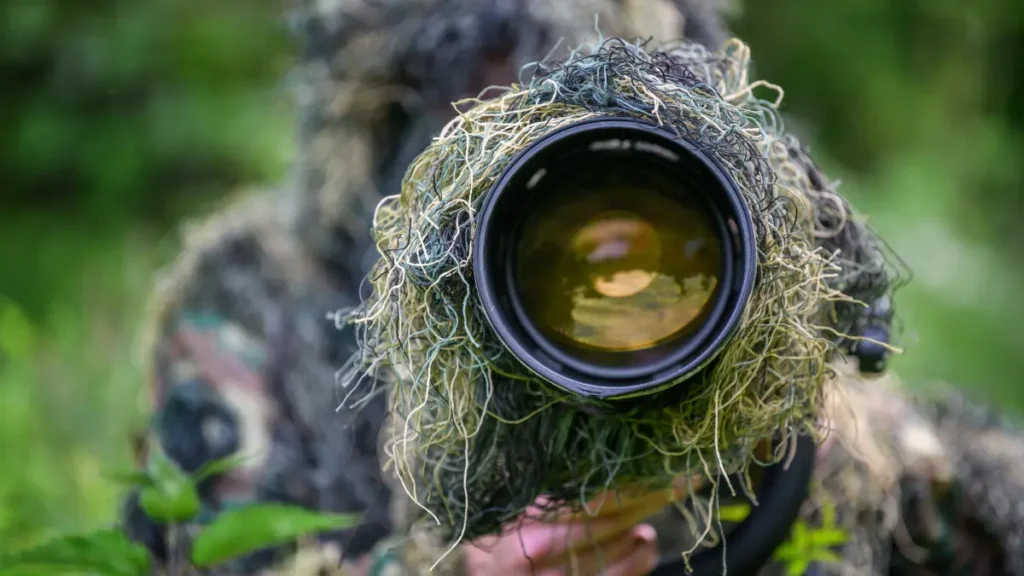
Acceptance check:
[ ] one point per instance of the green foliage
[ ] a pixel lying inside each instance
(734, 512)
(108, 552)
(170, 496)
(68, 385)
(251, 528)
(807, 544)
(116, 119)
(221, 466)
(117, 111)
(916, 107)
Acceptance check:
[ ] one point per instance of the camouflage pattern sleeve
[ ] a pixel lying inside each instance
(242, 359)
(926, 483)
(973, 521)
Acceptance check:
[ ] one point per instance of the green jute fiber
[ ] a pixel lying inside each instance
(476, 437)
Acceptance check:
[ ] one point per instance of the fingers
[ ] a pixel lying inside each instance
(607, 540)
(555, 540)
(631, 554)
(641, 562)
(644, 557)
(543, 550)
(544, 539)
(589, 555)
(611, 504)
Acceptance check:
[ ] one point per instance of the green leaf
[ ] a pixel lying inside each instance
(827, 537)
(107, 552)
(800, 537)
(797, 567)
(170, 502)
(219, 467)
(162, 469)
(172, 496)
(51, 571)
(734, 512)
(248, 529)
(786, 553)
(825, 555)
(828, 515)
(137, 478)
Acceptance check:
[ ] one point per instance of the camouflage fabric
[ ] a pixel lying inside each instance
(243, 352)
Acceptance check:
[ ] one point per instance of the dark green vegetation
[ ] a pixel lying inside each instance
(118, 118)
(171, 497)
(919, 108)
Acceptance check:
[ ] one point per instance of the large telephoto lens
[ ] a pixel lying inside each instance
(614, 258)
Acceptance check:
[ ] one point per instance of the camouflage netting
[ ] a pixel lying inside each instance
(477, 437)
(377, 77)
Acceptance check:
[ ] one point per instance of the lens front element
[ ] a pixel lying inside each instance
(610, 260)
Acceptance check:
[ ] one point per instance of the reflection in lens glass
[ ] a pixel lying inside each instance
(607, 266)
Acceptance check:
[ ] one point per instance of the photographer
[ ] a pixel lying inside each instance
(244, 360)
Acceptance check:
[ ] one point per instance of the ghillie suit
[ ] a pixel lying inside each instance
(242, 355)
(244, 358)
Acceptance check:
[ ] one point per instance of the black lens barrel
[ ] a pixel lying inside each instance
(652, 148)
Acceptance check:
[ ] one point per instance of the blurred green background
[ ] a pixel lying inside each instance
(120, 118)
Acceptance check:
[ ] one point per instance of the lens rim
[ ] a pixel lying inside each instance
(493, 261)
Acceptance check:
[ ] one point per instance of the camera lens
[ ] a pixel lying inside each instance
(613, 262)
(614, 258)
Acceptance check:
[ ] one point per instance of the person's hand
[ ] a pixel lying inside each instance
(609, 540)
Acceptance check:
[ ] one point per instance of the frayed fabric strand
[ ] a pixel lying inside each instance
(477, 437)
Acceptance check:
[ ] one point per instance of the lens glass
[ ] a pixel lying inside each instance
(617, 257)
